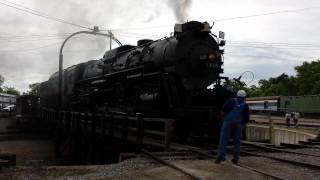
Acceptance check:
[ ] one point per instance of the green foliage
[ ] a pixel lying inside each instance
(281, 85)
(307, 81)
(1, 82)
(34, 89)
(308, 77)
(8, 90)
(11, 90)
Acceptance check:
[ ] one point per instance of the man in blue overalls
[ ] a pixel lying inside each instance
(235, 114)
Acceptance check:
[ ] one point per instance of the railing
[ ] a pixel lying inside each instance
(133, 128)
(278, 134)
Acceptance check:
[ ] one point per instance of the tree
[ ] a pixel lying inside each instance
(34, 89)
(308, 77)
(8, 90)
(1, 82)
(307, 81)
(254, 91)
(282, 85)
(11, 90)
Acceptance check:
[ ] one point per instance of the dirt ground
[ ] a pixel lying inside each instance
(130, 169)
(138, 168)
(6, 122)
(28, 151)
(33, 157)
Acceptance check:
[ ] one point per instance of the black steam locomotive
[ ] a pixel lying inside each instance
(167, 78)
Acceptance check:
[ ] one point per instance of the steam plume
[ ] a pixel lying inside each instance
(180, 8)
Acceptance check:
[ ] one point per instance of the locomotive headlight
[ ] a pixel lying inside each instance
(212, 56)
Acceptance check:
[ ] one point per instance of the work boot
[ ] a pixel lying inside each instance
(234, 161)
(219, 160)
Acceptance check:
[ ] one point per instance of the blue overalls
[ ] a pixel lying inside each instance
(232, 123)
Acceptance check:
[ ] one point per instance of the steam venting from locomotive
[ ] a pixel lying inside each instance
(180, 9)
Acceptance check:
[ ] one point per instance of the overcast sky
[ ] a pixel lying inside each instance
(266, 45)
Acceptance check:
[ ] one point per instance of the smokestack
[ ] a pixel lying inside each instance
(180, 9)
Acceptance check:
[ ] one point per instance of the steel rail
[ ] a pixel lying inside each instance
(243, 166)
(311, 166)
(154, 157)
(257, 145)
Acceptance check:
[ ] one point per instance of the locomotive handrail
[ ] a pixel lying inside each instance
(110, 74)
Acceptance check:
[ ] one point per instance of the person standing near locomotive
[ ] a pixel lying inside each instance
(288, 117)
(296, 116)
(235, 114)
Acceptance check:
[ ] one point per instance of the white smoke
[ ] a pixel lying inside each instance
(180, 9)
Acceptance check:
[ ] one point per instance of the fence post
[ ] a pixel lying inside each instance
(271, 130)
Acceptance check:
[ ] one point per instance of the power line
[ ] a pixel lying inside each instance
(40, 14)
(138, 28)
(276, 47)
(30, 40)
(33, 36)
(139, 36)
(31, 49)
(36, 39)
(32, 52)
(43, 15)
(272, 43)
(229, 19)
(269, 13)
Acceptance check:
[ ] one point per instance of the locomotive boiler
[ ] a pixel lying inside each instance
(169, 78)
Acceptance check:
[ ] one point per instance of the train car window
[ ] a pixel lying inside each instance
(287, 102)
(265, 104)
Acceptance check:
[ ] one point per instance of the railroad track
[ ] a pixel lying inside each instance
(267, 147)
(284, 155)
(206, 154)
(170, 164)
(270, 161)
(193, 153)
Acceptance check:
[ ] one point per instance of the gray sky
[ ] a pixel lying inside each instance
(266, 45)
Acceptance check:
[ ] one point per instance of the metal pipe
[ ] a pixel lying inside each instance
(61, 56)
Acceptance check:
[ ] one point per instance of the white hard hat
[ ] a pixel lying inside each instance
(241, 93)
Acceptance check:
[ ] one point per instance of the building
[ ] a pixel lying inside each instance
(6, 100)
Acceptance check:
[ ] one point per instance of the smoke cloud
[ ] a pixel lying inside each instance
(180, 9)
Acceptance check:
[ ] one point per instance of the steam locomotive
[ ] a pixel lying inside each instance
(175, 77)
